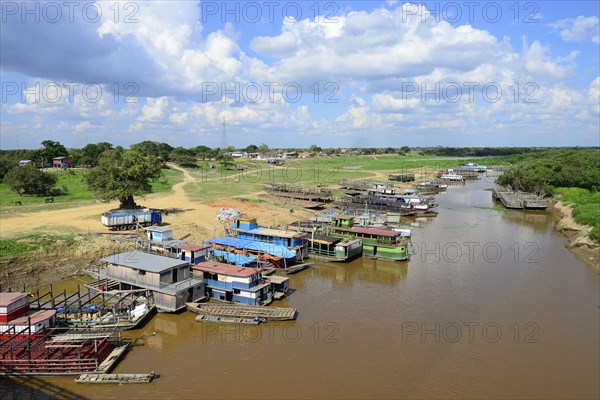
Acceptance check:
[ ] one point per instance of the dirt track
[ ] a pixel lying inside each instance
(199, 218)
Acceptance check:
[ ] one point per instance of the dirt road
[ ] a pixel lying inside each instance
(199, 218)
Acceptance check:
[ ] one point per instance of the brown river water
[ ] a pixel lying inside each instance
(491, 305)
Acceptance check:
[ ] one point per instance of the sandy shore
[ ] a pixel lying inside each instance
(586, 249)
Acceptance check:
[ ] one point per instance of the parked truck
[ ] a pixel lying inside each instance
(130, 219)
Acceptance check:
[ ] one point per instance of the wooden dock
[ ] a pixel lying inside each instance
(242, 311)
(307, 195)
(115, 378)
(111, 361)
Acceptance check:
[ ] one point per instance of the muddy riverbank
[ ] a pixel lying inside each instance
(585, 248)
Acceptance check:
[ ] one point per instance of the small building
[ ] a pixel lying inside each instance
(159, 240)
(233, 284)
(62, 162)
(159, 234)
(193, 253)
(169, 279)
(279, 285)
(17, 319)
(23, 163)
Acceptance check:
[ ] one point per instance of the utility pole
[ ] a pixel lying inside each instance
(224, 135)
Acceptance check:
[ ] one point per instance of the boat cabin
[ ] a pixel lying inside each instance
(17, 319)
(342, 221)
(247, 228)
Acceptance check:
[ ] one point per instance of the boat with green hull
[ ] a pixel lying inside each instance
(377, 243)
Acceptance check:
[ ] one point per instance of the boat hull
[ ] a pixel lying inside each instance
(399, 253)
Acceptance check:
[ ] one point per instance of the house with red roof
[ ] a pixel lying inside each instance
(234, 284)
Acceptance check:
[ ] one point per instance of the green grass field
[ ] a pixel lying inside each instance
(77, 191)
(220, 183)
(18, 246)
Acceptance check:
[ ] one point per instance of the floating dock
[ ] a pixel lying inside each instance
(402, 177)
(519, 200)
(241, 311)
(310, 196)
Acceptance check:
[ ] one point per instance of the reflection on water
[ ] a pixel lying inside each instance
(491, 305)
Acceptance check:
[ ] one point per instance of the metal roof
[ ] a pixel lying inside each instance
(275, 232)
(34, 316)
(224, 269)
(370, 231)
(7, 299)
(158, 228)
(276, 250)
(324, 239)
(144, 261)
(190, 246)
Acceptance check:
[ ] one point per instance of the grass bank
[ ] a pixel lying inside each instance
(585, 208)
(77, 192)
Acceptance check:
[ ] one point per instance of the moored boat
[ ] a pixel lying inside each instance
(377, 243)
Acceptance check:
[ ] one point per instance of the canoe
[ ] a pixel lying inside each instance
(229, 320)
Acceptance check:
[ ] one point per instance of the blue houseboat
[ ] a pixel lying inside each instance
(267, 254)
(244, 227)
(233, 284)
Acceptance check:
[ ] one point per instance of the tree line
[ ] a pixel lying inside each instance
(545, 171)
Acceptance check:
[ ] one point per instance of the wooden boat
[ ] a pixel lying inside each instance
(243, 311)
(115, 378)
(229, 320)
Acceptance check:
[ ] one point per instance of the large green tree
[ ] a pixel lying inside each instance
(28, 179)
(150, 148)
(122, 174)
(50, 150)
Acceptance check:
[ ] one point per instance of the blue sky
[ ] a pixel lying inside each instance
(292, 74)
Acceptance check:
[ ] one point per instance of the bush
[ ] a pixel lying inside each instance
(29, 180)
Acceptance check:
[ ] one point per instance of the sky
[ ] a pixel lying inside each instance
(297, 73)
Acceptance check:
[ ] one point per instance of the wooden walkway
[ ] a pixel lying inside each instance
(115, 378)
(241, 311)
(112, 360)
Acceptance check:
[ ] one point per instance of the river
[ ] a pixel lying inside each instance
(491, 305)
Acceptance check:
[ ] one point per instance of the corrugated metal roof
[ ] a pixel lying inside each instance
(224, 269)
(254, 245)
(324, 239)
(144, 261)
(190, 246)
(34, 317)
(7, 299)
(158, 228)
(275, 232)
